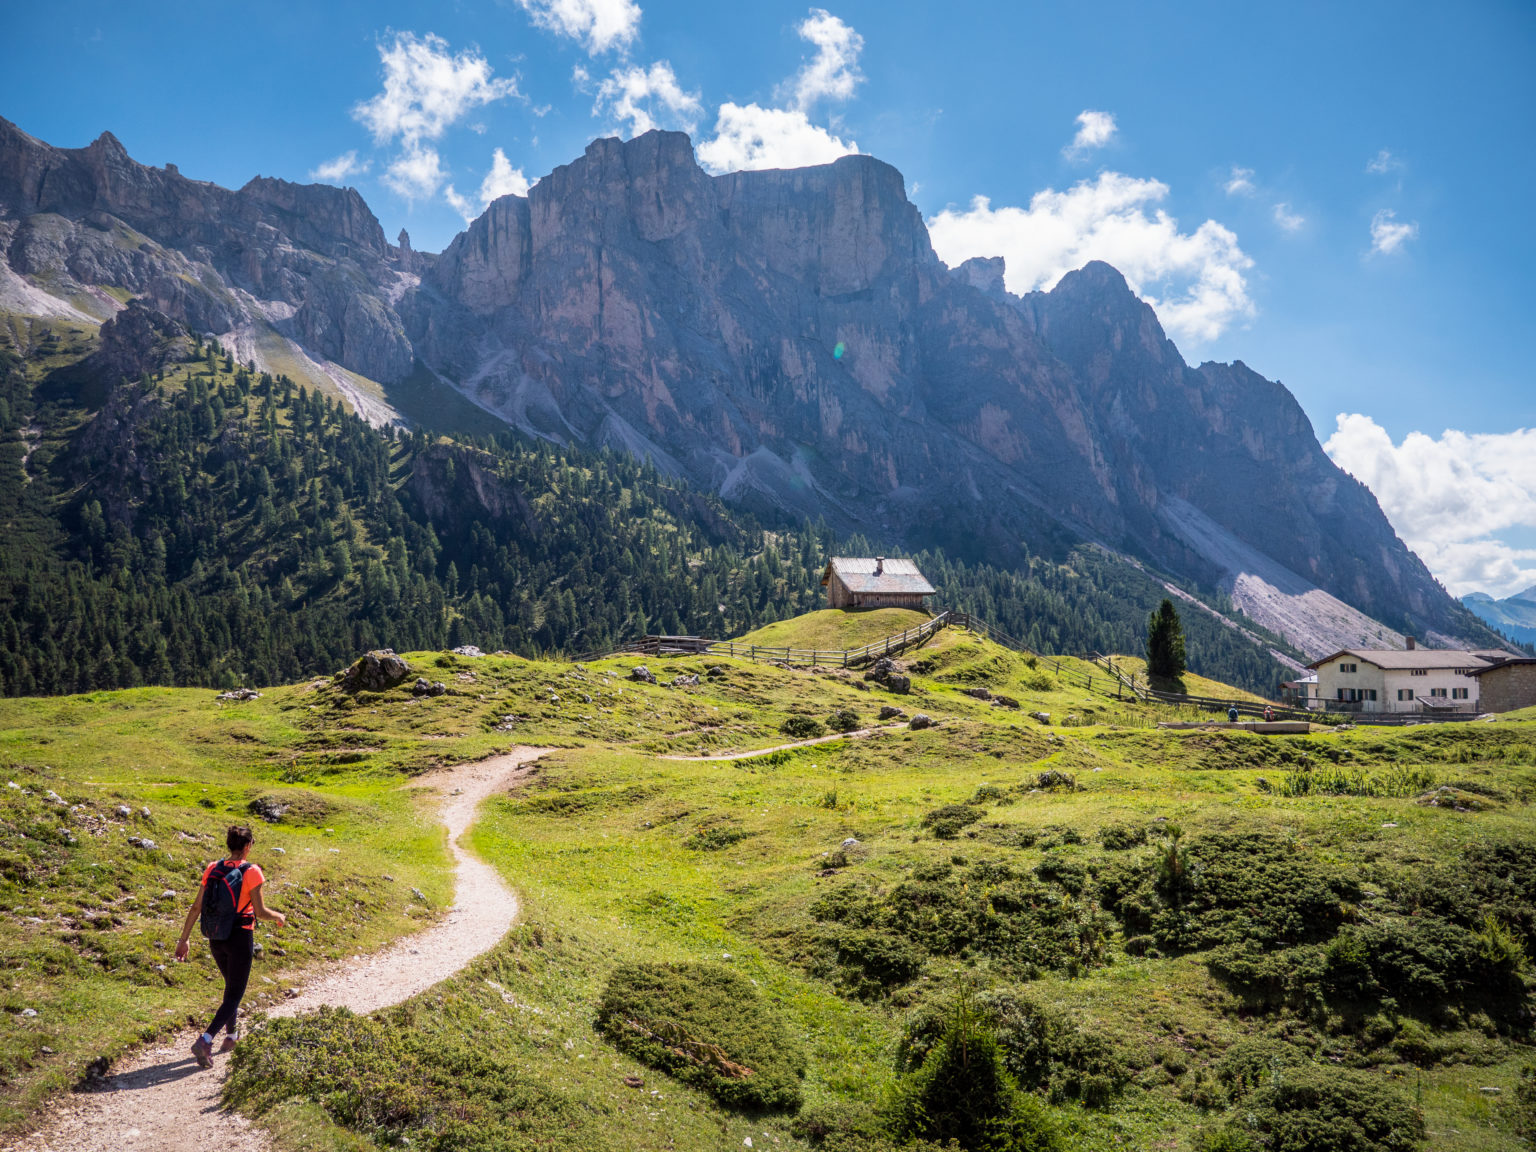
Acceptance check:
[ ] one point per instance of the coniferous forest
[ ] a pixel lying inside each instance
(202, 523)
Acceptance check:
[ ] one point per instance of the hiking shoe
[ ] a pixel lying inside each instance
(228, 1044)
(202, 1052)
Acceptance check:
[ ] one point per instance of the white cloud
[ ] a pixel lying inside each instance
(1450, 498)
(337, 170)
(757, 137)
(1240, 183)
(1197, 277)
(833, 73)
(501, 180)
(1288, 220)
(597, 24)
(633, 94)
(417, 173)
(1094, 130)
(1382, 163)
(427, 88)
(1387, 235)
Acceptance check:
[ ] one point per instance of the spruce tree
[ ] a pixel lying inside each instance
(1165, 643)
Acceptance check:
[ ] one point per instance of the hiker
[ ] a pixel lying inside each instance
(1232, 714)
(1269, 715)
(228, 905)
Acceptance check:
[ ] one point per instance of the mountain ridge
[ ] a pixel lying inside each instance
(787, 339)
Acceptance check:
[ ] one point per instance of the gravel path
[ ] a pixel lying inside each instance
(856, 733)
(159, 1101)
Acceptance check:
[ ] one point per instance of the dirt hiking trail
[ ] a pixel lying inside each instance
(160, 1101)
(856, 734)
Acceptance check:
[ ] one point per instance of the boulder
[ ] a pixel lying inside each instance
(643, 674)
(240, 694)
(1043, 717)
(978, 693)
(685, 681)
(921, 720)
(890, 712)
(424, 687)
(467, 650)
(376, 671)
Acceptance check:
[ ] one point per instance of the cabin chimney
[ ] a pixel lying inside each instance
(1412, 643)
(880, 569)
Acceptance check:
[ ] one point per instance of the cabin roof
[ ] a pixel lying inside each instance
(858, 575)
(1394, 659)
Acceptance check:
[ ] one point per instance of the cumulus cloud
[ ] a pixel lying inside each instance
(833, 73)
(597, 25)
(1382, 163)
(501, 180)
(639, 96)
(1287, 219)
(426, 89)
(751, 136)
(1240, 183)
(1094, 130)
(1193, 279)
(417, 173)
(1388, 234)
(1451, 498)
(339, 169)
(757, 137)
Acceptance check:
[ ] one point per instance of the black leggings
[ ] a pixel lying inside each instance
(233, 956)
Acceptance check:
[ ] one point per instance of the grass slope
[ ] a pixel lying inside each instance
(1028, 863)
(833, 628)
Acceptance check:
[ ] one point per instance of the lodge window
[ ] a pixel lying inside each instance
(1459, 693)
(1421, 671)
(1405, 693)
(1437, 692)
(1349, 667)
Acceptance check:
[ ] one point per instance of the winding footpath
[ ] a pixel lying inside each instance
(160, 1101)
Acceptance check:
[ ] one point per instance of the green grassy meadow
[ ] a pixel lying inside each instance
(1173, 939)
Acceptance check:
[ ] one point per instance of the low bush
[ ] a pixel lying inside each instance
(1118, 837)
(803, 727)
(706, 1026)
(714, 837)
(1306, 1108)
(844, 720)
(949, 821)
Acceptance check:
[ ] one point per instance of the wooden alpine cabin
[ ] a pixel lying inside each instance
(874, 582)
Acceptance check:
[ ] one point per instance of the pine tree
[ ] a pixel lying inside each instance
(1165, 643)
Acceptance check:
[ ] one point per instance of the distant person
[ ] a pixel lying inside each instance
(1232, 714)
(1269, 714)
(228, 905)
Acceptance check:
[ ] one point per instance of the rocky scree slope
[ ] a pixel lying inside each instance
(787, 339)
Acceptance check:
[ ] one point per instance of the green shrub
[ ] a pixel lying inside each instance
(986, 794)
(947, 822)
(962, 1092)
(844, 720)
(803, 727)
(1306, 1108)
(1118, 837)
(706, 1026)
(714, 837)
(386, 1080)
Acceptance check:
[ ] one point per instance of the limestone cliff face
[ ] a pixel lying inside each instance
(786, 338)
(309, 260)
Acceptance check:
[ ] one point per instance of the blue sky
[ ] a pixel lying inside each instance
(1336, 194)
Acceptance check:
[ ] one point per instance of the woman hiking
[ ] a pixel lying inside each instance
(228, 904)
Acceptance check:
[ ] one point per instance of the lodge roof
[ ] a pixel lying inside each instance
(1425, 659)
(877, 574)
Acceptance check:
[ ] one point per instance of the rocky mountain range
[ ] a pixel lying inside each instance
(788, 339)
(1515, 616)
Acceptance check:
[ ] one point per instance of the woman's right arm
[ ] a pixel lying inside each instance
(186, 928)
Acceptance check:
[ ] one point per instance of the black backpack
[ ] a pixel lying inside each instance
(221, 896)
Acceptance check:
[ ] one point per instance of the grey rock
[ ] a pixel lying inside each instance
(685, 681)
(978, 693)
(1043, 717)
(920, 720)
(425, 687)
(240, 694)
(462, 649)
(642, 674)
(890, 712)
(376, 671)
